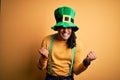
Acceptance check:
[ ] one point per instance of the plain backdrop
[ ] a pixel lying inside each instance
(24, 23)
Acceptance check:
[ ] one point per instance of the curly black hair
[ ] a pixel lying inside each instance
(71, 42)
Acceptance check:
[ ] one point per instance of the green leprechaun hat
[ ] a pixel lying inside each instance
(64, 18)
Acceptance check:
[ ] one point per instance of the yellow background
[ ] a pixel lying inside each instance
(25, 22)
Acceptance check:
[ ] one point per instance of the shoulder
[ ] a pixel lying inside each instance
(79, 45)
(46, 41)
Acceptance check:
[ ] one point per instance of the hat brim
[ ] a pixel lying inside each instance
(65, 25)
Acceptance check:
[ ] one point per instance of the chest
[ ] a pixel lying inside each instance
(61, 52)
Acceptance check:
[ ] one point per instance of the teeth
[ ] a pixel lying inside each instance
(65, 34)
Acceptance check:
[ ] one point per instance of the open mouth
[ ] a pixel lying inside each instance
(65, 34)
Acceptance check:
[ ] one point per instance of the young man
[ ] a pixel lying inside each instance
(60, 53)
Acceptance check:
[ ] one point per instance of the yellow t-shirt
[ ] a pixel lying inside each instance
(61, 57)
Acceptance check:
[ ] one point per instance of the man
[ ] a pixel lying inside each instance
(60, 53)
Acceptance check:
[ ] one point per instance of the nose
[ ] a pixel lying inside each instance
(65, 29)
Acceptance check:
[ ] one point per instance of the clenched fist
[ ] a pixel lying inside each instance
(44, 52)
(91, 56)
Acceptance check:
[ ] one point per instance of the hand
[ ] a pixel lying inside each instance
(44, 52)
(91, 56)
